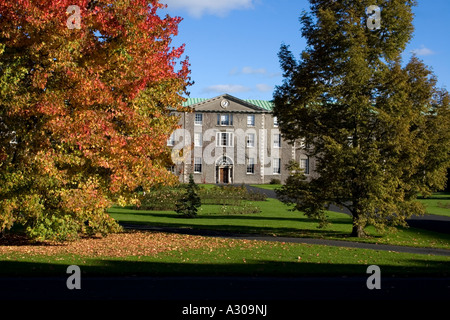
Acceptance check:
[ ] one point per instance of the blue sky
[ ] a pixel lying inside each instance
(233, 44)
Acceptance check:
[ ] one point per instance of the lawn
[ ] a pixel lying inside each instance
(438, 203)
(275, 219)
(138, 253)
(267, 186)
(161, 254)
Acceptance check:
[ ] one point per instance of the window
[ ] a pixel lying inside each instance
(277, 140)
(251, 120)
(224, 119)
(224, 139)
(276, 166)
(251, 165)
(171, 140)
(275, 121)
(197, 165)
(198, 140)
(304, 164)
(198, 119)
(251, 140)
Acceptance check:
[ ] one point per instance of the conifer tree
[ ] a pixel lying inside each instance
(379, 130)
(189, 203)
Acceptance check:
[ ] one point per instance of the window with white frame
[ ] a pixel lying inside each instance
(275, 121)
(277, 165)
(198, 119)
(304, 164)
(224, 119)
(197, 165)
(224, 139)
(198, 140)
(277, 140)
(251, 165)
(250, 140)
(171, 140)
(251, 120)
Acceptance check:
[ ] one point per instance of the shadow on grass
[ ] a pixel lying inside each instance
(19, 240)
(241, 229)
(214, 216)
(260, 281)
(253, 268)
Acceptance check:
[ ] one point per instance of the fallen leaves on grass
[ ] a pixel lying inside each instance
(132, 243)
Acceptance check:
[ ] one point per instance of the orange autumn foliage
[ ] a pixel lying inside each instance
(84, 113)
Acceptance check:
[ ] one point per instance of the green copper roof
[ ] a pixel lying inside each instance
(191, 101)
(266, 105)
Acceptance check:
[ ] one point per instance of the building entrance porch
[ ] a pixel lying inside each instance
(224, 170)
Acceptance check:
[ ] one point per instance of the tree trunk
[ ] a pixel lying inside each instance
(358, 231)
(358, 227)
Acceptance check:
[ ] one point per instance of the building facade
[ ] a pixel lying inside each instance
(226, 140)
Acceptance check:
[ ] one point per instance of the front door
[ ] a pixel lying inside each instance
(224, 175)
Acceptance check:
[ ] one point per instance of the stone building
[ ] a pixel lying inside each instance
(228, 140)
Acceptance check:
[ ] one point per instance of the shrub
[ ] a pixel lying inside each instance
(255, 196)
(231, 198)
(161, 198)
(275, 181)
(54, 228)
(189, 203)
(229, 195)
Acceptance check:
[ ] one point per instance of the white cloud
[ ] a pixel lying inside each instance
(197, 8)
(423, 51)
(226, 88)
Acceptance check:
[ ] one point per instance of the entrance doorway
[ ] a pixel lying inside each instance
(224, 170)
(224, 175)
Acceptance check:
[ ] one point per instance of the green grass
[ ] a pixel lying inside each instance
(267, 186)
(438, 203)
(246, 257)
(276, 220)
(240, 257)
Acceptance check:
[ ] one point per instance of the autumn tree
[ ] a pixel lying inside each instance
(379, 130)
(85, 90)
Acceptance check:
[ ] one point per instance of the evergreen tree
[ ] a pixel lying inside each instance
(190, 202)
(379, 131)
